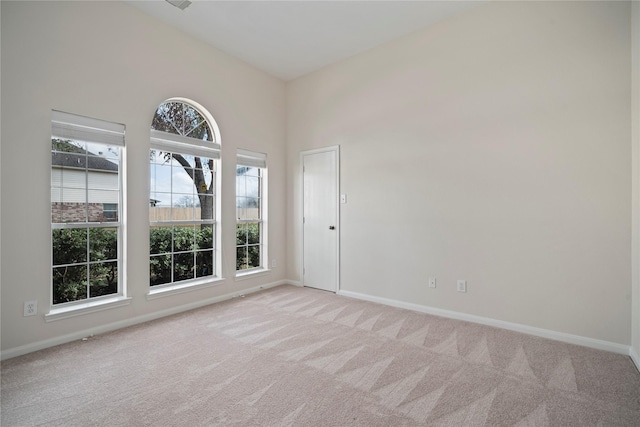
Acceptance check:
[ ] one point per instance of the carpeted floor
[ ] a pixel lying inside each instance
(294, 356)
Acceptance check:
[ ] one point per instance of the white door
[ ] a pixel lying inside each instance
(320, 219)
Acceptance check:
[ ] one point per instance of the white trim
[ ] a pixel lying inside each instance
(40, 345)
(180, 288)
(91, 306)
(256, 272)
(294, 283)
(530, 330)
(635, 358)
(300, 219)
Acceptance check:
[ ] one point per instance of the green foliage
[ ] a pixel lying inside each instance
(84, 263)
(85, 259)
(248, 246)
(185, 242)
(66, 146)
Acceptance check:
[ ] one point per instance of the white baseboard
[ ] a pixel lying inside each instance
(530, 330)
(294, 283)
(634, 357)
(40, 345)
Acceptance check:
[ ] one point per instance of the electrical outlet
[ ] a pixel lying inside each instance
(30, 308)
(274, 263)
(462, 286)
(432, 282)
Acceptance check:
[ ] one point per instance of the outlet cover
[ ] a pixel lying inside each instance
(462, 286)
(30, 308)
(432, 282)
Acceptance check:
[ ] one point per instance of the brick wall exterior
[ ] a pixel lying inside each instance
(71, 212)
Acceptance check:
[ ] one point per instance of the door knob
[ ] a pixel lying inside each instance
(331, 227)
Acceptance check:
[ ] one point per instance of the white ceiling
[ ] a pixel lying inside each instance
(288, 39)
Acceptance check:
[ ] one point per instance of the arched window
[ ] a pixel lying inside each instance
(183, 202)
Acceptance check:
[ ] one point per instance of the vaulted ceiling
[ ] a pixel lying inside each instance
(289, 39)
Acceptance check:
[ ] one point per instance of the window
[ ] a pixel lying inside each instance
(86, 229)
(250, 210)
(183, 203)
(110, 211)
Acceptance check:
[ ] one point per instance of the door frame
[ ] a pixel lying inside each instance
(335, 149)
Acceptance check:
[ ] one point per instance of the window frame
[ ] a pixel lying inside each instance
(174, 143)
(86, 130)
(252, 159)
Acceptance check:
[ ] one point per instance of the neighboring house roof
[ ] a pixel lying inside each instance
(69, 159)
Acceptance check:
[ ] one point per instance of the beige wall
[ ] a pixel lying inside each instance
(492, 147)
(108, 60)
(636, 177)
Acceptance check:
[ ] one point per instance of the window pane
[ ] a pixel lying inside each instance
(106, 152)
(181, 119)
(183, 266)
(73, 212)
(160, 206)
(253, 233)
(69, 283)
(97, 200)
(201, 131)
(160, 271)
(67, 146)
(183, 238)
(254, 256)
(103, 180)
(241, 187)
(103, 244)
(253, 208)
(160, 239)
(72, 169)
(110, 212)
(241, 234)
(252, 171)
(57, 208)
(160, 179)
(204, 261)
(204, 237)
(241, 207)
(184, 161)
(69, 246)
(241, 258)
(205, 207)
(182, 208)
(103, 278)
(181, 181)
(253, 186)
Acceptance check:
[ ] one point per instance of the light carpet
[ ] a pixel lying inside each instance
(291, 356)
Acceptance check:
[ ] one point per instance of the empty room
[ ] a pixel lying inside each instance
(320, 213)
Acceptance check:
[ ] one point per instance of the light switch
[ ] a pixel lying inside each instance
(343, 198)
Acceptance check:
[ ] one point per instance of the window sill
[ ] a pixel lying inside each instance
(253, 273)
(86, 308)
(166, 291)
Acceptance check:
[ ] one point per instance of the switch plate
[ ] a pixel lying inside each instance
(274, 263)
(462, 286)
(343, 198)
(432, 282)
